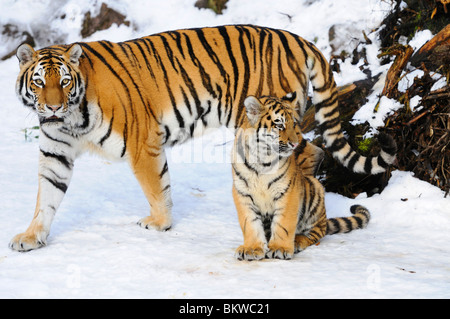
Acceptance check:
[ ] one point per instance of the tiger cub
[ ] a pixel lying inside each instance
(280, 205)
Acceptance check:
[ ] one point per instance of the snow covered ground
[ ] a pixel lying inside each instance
(96, 250)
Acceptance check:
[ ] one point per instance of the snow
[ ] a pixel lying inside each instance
(440, 83)
(407, 79)
(420, 38)
(414, 102)
(96, 250)
(366, 113)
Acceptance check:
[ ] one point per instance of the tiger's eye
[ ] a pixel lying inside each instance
(65, 82)
(38, 82)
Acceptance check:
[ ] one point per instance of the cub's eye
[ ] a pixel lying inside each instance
(65, 82)
(38, 82)
(278, 123)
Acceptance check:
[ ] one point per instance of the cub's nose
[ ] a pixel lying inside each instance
(292, 145)
(53, 108)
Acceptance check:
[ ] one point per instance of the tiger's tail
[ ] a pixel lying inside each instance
(360, 219)
(325, 99)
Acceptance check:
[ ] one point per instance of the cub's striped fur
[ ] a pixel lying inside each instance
(129, 100)
(281, 209)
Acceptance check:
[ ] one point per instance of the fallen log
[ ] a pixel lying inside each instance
(402, 53)
(435, 54)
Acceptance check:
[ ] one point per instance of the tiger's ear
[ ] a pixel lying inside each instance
(25, 54)
(254, 109)
(75, 52)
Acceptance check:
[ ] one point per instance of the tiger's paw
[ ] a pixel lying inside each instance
(249, 253)
(278, 252)
(160, 224)
(26, 241)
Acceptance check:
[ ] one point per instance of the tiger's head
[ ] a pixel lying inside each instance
(275, 121)
(50, 82)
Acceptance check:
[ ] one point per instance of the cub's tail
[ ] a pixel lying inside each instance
(325, 99)
(360, 219)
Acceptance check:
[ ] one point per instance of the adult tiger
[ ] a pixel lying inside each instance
(129, 100)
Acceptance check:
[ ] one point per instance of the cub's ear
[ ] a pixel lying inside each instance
(290, 97)
(25, 54)
(254, 109)
(292, 100)
(75, 52)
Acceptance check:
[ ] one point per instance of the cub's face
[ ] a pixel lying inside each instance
(275, 121)
(49, 81)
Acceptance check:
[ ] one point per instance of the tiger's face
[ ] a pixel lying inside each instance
(50, 82)
(276, 122)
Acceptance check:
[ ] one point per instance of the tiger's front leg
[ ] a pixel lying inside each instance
(284, 224)
(55, 172)
(255, 243)
(151, 170)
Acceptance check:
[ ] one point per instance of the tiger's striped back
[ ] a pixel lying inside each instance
(194, 79)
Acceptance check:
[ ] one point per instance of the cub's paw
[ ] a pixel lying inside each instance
(276, 252)
(298, 249)
(301, 242)
(249, 253)
(161, 224)
(25, 242)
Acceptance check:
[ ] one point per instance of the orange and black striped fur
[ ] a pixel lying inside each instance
(281, 208)
(130, 100)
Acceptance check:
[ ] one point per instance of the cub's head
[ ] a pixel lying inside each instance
(50, 82)
(275, 121)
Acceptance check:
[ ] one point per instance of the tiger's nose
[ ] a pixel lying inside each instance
(292, 145)
(53, 108)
